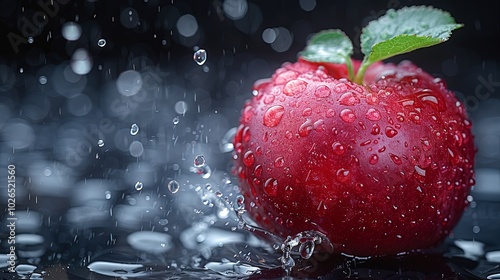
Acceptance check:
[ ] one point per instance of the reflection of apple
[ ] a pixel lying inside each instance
(380, 166)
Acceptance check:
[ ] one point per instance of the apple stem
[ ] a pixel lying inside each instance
(350, 69)
(361, 72)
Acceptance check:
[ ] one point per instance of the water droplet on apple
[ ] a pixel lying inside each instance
(415, 117)
(306, 128)
(343, 175)
(279, 162)
(285, 76)
(247, 114)
(428, 97)
(397, 160)
(400, 117)
(340, 88)
(258, 150)
(373, 114)
(373, 159)
(390, 131)
(375, 129)
(258, 171)
(307, 112)
(273, 115)
(338, 148)
(322, 91)
(249, 158)
(268, 99)
(347, 115)
(246, 134)
(367, 142)
(420, 171)
(371, 99)
(426, 144)
(330, 113)
(271, 187)
(294, 87)
(458, 138)
(319, 125)
(349, 99)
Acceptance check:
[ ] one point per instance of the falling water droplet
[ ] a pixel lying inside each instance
(200, 56)
(42, 80)
(138, 185)
(134, 129)
(101, 43)
(176, 120)
(173, 186)
(107, 194)
(199, 161)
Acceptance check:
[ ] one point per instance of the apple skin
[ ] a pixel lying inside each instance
(380, 168)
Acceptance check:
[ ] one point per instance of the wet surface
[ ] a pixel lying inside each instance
(118, 119)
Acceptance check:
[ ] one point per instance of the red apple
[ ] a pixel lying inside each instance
(380, 162)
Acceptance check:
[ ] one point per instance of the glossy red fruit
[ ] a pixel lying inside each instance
(379, 168)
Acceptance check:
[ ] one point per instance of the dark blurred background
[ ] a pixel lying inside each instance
(75, 76)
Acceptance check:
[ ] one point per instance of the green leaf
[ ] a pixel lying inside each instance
(328, 46)
(405, 30)
(331, 46)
